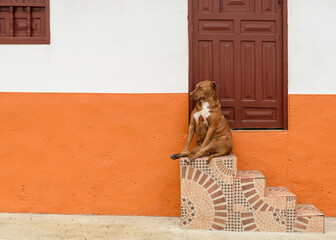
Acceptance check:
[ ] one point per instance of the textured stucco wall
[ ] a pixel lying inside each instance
(311, 47)
(109, 153)
(119, 46)
(131, 46)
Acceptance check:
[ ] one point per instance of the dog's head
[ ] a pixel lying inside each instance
(204, 90)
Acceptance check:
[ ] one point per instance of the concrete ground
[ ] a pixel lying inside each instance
(79, 227)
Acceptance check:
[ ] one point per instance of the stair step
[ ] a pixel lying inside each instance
(234, 200)
(308, 219)
(249, 185)
(307, 210)
(250, 174)
(278, 192)
(281, 198)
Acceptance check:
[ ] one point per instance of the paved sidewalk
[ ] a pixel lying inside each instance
(88, 227)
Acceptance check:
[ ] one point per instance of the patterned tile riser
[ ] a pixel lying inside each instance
(271, 214)
(309, 224)
(220, 172)
(308, 219)
(214, 197)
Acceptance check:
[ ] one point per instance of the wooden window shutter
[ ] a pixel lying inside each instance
(24, 22)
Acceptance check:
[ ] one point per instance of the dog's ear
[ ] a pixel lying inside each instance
(214, 85)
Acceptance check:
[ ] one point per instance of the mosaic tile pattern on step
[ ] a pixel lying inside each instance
(219, 197)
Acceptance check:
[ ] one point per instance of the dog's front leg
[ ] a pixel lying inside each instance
(191, 133)
(185, 151)
(208, 136)
(204, 150)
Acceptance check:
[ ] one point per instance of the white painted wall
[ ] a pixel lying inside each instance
(114, 46)
(141, 46)
(312, 46)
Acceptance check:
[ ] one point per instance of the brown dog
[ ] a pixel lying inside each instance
(213, 133)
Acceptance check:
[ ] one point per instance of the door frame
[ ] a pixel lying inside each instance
(284, 55)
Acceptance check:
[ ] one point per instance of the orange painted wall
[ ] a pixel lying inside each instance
(303, 159)
(109, 153)
(90, 153)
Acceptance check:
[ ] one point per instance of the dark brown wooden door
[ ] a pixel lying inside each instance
(239, 45)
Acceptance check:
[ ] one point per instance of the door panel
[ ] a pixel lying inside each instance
(237, 6)
(239, 45)
(226, 89)
(269, 71)
(248, 70)
(205, 60)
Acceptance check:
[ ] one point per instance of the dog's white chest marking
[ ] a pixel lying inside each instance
(205, 113)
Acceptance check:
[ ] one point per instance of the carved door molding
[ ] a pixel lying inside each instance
(242, 46)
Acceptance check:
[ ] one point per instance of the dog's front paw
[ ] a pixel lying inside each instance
(175, 156)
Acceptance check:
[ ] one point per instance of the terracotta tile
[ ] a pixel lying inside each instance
(246, 214)
(222, 207)
(204, 177)
(258, 204)
(218, 197)
(221, 200)
(246, 180)
(183, 174)
(218, 220)
(208, 183)
(250, 228)
(215, 226)
(245, 222)
(191, 171)
(197, 174)
(250, 193)
(247, 187)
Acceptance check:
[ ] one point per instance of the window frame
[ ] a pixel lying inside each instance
(29, 40)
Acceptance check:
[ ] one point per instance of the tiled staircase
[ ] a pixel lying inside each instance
(219, 197)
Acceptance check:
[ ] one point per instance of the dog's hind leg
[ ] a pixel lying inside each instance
(203, 152)
(224, 153)
(222, 147)
(214, 149)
